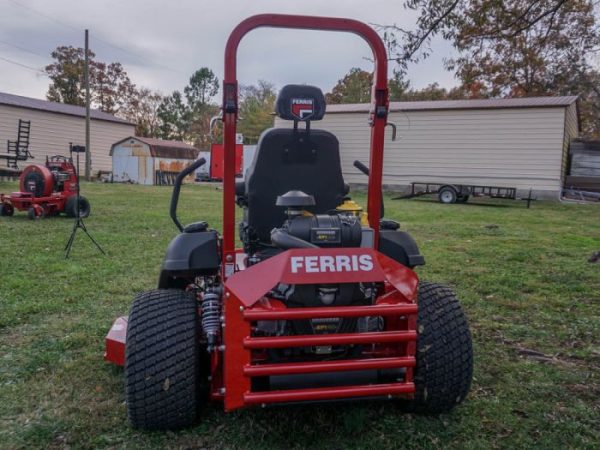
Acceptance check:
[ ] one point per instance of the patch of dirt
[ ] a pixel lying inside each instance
(554, 359)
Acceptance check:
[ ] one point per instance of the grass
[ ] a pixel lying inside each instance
(531, 297)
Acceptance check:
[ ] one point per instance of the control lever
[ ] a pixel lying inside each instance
(390, 124)
(364, 169)
(177, 187)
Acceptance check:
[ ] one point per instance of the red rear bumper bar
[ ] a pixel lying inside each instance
(328, 393)
(325, 312)
(265, 370)
(329, 339)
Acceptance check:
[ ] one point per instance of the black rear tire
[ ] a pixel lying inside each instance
(84, 207)
(444, 368)
(6, 209)
(162, 357)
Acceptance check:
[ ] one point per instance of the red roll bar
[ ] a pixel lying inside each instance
(379, 110)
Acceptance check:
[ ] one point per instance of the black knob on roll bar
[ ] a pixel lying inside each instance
(177, 187)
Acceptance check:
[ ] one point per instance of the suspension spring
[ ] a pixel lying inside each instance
(211, 317)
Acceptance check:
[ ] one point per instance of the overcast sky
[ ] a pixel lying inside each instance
(161, 43)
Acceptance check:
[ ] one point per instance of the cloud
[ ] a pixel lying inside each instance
(162, 43)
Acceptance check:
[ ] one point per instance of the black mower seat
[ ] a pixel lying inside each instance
(288, 159)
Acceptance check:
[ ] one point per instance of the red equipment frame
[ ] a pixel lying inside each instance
(242, 356)
(379, 109)
(399, 301)
(217, 162)
(50, 203)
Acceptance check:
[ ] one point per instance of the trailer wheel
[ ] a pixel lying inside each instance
(462, 198)
(6, 209)
(447, 195)
(84, 207)
(444, 368)
(162, 360)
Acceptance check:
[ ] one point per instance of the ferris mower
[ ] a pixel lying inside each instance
(47, 190)
(320, 303)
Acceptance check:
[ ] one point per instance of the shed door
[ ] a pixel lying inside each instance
(145, 170)
(125, 168)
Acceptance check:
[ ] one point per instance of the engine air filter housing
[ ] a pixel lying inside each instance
(295, 199)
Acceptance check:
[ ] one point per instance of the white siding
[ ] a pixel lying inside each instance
(52, 132)
(518, 147)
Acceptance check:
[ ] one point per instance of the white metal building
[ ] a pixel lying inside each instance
(150, 161)
(520, 142)
(55, 125)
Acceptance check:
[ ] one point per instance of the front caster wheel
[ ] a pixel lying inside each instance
(36, 212)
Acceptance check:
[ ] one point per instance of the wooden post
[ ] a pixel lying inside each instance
(88, 155)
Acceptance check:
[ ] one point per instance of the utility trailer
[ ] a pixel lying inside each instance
(460, 193)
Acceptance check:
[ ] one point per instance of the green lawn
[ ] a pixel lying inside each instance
(532, 299)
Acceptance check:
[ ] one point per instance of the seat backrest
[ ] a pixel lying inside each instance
(293, 159)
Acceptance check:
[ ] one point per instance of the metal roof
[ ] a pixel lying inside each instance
(432, 105)
(163, 148)
(55, 107)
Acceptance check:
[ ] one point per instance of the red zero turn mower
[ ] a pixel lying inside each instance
(46, 190)
(319, 304)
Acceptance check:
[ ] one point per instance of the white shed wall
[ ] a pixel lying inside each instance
(52, 132)
(132, 163)
(520, 147)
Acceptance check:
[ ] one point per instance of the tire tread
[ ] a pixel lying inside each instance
(444, 352)
(162, 359)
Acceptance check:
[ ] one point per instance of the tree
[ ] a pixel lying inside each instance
(110, 86)
(199, 125)
(67, 75)
(589, 106)
(509, 48)
(142, 109)
(187, 117)
(355, 87)
(202, 87)
(200, 91)
(111, 89)
(510, 61)
(397, 86)
(174, 117)
(506, 18)
(257, 103)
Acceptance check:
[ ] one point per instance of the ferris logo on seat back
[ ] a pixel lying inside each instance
(327, 263)
(302, 108)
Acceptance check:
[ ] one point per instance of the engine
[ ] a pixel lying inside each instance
(326, 230)
(304, 230)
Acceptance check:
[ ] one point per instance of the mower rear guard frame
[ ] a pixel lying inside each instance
(247, 301)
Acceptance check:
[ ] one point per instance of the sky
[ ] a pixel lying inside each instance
(162, 43)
